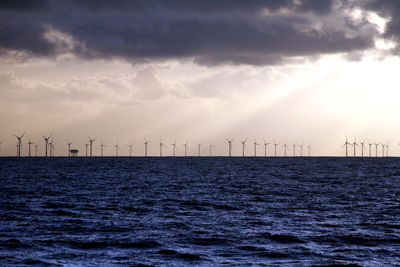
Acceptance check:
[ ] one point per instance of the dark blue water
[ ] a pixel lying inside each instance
(199, 211)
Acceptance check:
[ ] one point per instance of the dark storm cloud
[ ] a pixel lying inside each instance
(211, 32)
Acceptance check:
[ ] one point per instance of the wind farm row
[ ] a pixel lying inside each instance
(247, 148)
(46, 147)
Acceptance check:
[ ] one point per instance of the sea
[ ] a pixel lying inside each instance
(199, 211)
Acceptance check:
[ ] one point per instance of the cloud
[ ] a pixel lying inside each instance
(211, 33)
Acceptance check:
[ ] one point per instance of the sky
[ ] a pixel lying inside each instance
(305, 72)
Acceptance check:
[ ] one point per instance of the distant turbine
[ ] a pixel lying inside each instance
(301, 150)
(186, 146)
(91, 145)
(36, 150)
(255, 147)
(199, 148)
(19, 144)
(309, 150)
(101, 148)
(275, 145)
(243, 146)
(173, 148)
(376, 149)
(46, 139)
(354, 146)
(369, 148)
(69, 148)
(130, 149)
(387, 149)
(383, 149)
(346, 144)
(161, 146)
(229, 146)
(294, 150)
(52, 148)
(362, 147)
(211, 148)
(86, 145)
(285, 146)
(116, 149)
(145, 147)
(265, 148)
(29, 146)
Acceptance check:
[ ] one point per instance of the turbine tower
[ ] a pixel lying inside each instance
(301, 150)
(36, 150)
(265, 148)
(255, 147)
(173, 148)
(387, 149)
(346, 144)
(91, 145)
(275, 146)
(285, 146)
(186, 146)
(46, 139)
(354, 146)
(145, 147)
(161, 146)
(116, 149)
(369, 148)
(229, 146)
(86, 145)
(243, 146)
(383, 149)
(101, 148)
(52, 148)
(362, 147)
(376, 149)
(199, 148)
(130, 149)
(19, 144)
(309, 150)
(294, 150)
(29, 146)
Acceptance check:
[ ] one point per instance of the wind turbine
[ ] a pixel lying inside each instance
(36, 150)
(285, 146)
(52, 148)
(116, 149)
(265, 148)
(387, 149)
(369, 148)
(301, 150)
(86, 145)
(294, 150)
(19, 144)
(69, 148)
(0, 147)
(101, 147)
(211, 148)
(199, 148)
(130, 149)
(229, 146)
(161, 146)
(376, 149)
(309, 150)
(362, 147)
(354, 146)
(186, 146)
(383, 149)
(346, 144)
(275, 145)
(29, 145)
(255, 147)
(243, 146)
(91, 145)
(145, 147)
(173, 148)
(46, 139)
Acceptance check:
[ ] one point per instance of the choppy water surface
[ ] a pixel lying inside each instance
(199, 211)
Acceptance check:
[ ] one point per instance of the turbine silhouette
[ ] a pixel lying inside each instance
(275, 145)
(346, 144)
(130, 149)
(102, 148)
(91, 145)
(19, 144)
(255, 147)
(229, 146)
(29, 147)
(173, 148)
(265, 148)
(211, 148)
(69, 148)
(199, 148)
(46, 139)
(145, 147)
(243, 146)
(161, 146)
(116, 149)
(186, 146)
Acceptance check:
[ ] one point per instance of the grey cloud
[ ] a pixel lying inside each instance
(210, 32)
